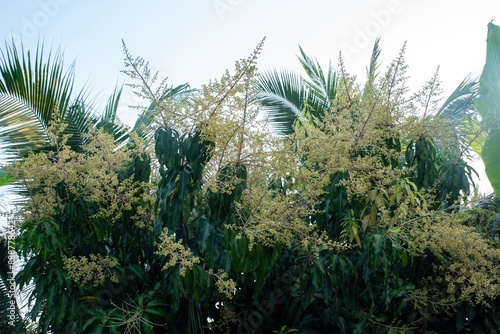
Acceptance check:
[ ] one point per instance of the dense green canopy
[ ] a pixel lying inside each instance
(353, 212)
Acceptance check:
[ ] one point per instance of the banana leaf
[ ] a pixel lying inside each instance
(488, 106)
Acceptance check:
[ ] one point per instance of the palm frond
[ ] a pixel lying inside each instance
(372, 72)
(181, 93)
(109, 121)
(78, 117)
(111, 108)
(32, 89)
(287, 97)
(459, 108)
(282, 95)
(322, 90)
(460, 103)
(19, 128)
(41, 82)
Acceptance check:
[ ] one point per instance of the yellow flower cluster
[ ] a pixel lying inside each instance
(225, 285)
(92, 175)
(94, 269)
(474, 271)
(176, 253)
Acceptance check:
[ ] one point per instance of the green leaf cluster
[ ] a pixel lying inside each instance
(356, 218)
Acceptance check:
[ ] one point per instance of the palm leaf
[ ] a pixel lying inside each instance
(19, 126)
(283, 96)
(459, 109)
(109, 121)
(32, 89)
(372, 72)
(323, 90)
(111, 108)
(460, 104)
(288, 98)
(181, 93)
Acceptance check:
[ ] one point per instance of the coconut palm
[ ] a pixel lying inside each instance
(34, 90)
(289, 98)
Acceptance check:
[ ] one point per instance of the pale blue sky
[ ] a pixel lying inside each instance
(196, 40)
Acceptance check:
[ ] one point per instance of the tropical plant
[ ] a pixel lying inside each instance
(356, 221)
(288, 98)
(91, 212)
(488, 106)
(34, 91)
(430, 163)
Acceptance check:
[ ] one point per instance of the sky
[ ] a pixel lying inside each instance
(194, 41)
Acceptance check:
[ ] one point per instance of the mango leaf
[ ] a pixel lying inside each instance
(488, 106)
(203, 233)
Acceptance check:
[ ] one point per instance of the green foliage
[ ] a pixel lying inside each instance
(355, 220)
(31, 90)
(488, 106)
(5, 178)
(386, 182)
